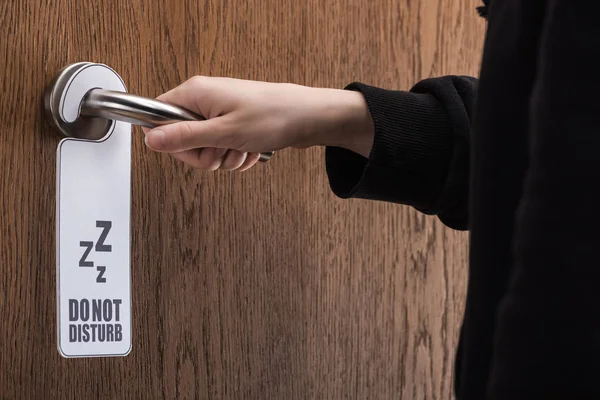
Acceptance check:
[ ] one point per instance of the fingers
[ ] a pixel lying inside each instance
(251, 160)
(179, 142)
(192, 157)
(233, 160)
(186, 135)
(212, 159)
(208, 159)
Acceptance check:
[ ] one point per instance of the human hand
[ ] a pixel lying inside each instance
(245, 118)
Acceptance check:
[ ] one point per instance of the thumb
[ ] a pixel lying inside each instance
(186, 135)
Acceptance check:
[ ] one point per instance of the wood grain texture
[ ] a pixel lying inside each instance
(260, 285)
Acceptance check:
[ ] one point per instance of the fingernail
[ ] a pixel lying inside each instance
(156, 139)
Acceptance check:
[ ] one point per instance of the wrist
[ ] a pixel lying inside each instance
(345, 121)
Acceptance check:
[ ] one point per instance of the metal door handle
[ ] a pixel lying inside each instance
(122, 106)
(99, 107)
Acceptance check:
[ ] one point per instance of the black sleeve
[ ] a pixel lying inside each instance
(420, 154)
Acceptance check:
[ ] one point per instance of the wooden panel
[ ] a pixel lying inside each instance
(253, 285)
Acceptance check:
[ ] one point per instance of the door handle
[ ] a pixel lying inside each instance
(111, 105)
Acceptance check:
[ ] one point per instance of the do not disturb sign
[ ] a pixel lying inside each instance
(93, 248)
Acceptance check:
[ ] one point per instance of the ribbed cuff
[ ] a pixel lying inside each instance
(411, 151)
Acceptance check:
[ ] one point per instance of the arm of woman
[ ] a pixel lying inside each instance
(408, 147)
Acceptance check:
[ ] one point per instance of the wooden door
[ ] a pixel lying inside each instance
(245, 286)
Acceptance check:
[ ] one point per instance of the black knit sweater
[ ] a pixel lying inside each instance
(514, 158)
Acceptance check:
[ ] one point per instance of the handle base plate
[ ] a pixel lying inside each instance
(61, 100)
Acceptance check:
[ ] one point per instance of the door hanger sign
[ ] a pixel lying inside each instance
(93, 200)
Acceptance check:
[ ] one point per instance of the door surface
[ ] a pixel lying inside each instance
(253, 285)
